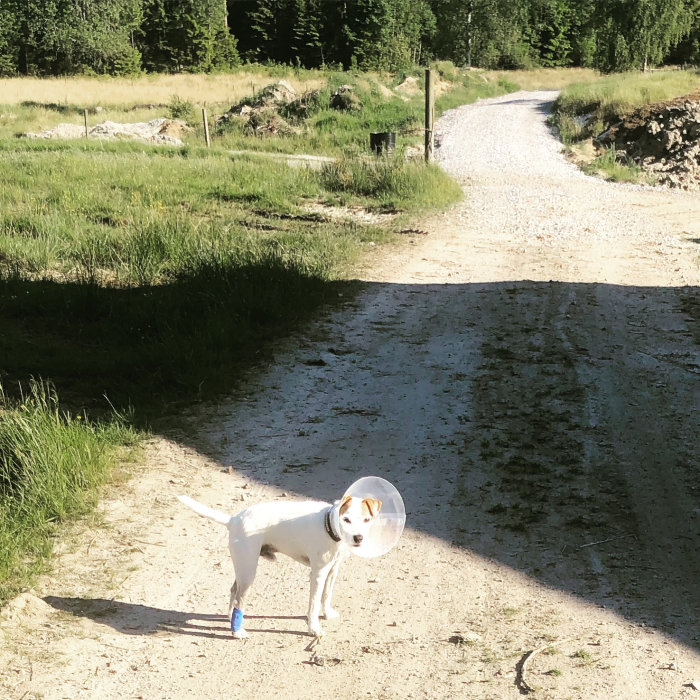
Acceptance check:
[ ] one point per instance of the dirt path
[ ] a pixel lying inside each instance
(527, 375)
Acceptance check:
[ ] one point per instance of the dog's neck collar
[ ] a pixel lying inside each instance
(329, 527)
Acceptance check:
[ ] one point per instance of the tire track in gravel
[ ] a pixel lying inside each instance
(526, 374)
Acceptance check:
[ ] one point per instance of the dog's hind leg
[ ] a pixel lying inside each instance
(245, 564)
(234, 596)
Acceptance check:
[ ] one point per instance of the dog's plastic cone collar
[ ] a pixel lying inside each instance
(387, 527)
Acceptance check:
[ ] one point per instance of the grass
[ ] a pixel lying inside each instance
(585, 657)
(610, 168)
(605, 100)
(52, 464)
(146, 273)
(199, 88)
(547, 78)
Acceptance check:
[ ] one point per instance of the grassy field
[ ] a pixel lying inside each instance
(144, 277)
(383, 104)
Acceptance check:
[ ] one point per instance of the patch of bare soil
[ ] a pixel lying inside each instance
(529, 382)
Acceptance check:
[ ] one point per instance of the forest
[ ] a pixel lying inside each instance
(122, 37)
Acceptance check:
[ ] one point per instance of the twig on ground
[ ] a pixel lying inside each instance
(521, 666)
(610, 539)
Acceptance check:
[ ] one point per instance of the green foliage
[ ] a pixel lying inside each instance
(124, 36)
(614, 170)
(51, 465)
(178, 35)
(182, 109)
(612, 35)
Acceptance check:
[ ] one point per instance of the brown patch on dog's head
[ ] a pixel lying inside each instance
(344, 504)
(371, 507)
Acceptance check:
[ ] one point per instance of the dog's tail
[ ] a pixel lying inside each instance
(216, 515)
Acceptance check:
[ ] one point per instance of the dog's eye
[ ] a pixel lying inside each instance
(347, 520)
(367, 520)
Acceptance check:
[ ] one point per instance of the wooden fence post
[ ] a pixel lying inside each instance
(429, 115)
(206, 127)
(85, 118)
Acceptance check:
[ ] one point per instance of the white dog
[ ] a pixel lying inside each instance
(314, 533)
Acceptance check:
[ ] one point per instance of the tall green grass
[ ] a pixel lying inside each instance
(147, 274)
(389, 182)
(607, 165)
(606, 100)
(52, 464)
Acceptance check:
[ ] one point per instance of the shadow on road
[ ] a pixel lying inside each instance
(550, 426)
(546, 425)
(136, 619)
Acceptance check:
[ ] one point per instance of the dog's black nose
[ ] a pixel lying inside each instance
(357, 538)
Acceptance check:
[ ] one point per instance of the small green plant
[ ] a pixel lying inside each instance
(609, 165)
(584, 656)
(553, 672)
(182, 109)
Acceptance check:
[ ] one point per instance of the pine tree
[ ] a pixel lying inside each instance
(193, 35)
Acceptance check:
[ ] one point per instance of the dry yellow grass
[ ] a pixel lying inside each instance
(547, 78)
(220, 88)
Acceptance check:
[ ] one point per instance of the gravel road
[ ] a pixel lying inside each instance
(526, 374)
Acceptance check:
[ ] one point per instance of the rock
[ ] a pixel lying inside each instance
(268, 123)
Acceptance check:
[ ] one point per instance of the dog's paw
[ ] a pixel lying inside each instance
(240, 634)
(331, 614)
(315, 630)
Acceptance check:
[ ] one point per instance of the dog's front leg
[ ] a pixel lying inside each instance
(328, 612)
(318, 581)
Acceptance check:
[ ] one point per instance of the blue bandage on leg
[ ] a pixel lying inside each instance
(237, 620)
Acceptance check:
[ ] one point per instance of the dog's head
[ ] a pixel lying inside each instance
(355, 516)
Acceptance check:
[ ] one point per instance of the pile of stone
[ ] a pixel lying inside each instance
(268, 112)
(663, 139)
(163, 131)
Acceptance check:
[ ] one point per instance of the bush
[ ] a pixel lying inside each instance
(182, 109)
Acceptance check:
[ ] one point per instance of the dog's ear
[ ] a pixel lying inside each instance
(372, 505)
(344, 504)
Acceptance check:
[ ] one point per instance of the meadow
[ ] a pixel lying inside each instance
(137, 278)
